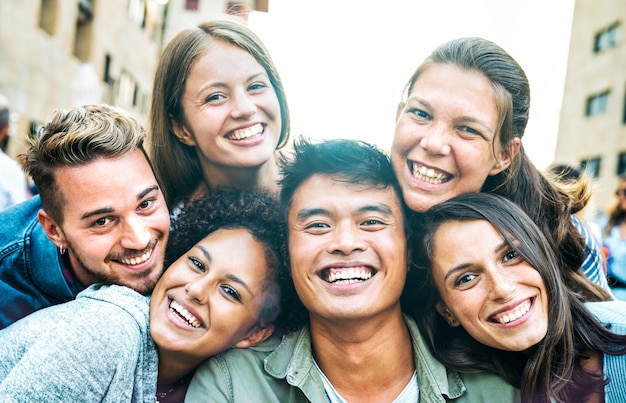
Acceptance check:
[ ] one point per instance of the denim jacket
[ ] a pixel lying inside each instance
(282, 371)
(30, 266)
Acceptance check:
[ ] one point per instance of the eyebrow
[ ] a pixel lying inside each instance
(220, 84)
(231, 277)
(369, 208)
(462, 266)
(107, 210)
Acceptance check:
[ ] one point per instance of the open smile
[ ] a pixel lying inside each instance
(246, 133)
(347, 275)
(184, 314)
(513, 314)
(428, 174)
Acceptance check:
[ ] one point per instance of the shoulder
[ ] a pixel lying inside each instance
(17, 218)
(435, 380)
(277, 370)
(84, 324)
(232, 374)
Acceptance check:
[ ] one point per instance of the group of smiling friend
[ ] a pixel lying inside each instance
(450, 270)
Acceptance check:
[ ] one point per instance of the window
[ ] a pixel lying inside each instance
(597, 104)
(591, 166)
(621, 163)
(48, 15)
(607, 38)
(84, 26)
(191, 5)
(107, 69)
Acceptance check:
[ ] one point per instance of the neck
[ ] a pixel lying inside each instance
(365, 361)
(262, 177)
(173, 367)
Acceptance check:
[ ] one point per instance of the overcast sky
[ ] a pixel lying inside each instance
(345, 62)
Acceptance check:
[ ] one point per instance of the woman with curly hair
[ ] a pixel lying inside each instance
(222, 289)
(498, 303)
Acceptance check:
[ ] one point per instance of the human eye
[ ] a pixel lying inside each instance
(146, 204)
(215, 97)
(101, 222)
(464, 279)
(316, 227)
(510, 256)
(373, 224)
(257, 86)
(231, 293)
(471, 132)
(418, 113)
(196, 263)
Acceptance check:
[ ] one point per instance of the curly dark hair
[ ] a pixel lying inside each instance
(229, 208)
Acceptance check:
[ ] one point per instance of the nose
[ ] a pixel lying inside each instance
(243, 105)
(195, 289)
(435, 140)
(136, 234)
(346, 239)
(502, 286)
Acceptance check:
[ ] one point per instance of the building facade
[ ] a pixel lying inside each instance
(59, 53)
(592, 129)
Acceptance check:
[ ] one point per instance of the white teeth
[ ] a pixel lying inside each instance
(247, 133)
(185, 314)
(137, 260)
(428, 174)
(519, 312)
(349, 276)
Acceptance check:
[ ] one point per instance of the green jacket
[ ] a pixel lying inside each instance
(283, 371)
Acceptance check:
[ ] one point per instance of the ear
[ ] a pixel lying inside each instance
(181, 133)
(506, 156)
(255, 336)
(447, 315)
(399, 110)
(51, 228)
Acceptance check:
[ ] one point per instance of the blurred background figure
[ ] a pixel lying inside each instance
(614, 242)
(13, 187)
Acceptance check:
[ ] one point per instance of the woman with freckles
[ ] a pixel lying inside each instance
(221, 290)
(219, 113)
(459, 129)
(492, 299)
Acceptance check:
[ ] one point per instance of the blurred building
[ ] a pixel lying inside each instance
(59, 53)
(592, 129)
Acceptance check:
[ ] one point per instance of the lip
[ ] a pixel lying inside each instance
(360, 272)
(511, 308)
(179, 322)
(430, 176)
(251, 141)
(146, 264)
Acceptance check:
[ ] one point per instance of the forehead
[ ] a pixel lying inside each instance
(476, 236)
(104, 182)
(236, 250)
(225, 59)
(333, 192)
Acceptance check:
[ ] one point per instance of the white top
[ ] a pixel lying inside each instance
(408, 395)
(13, 187)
